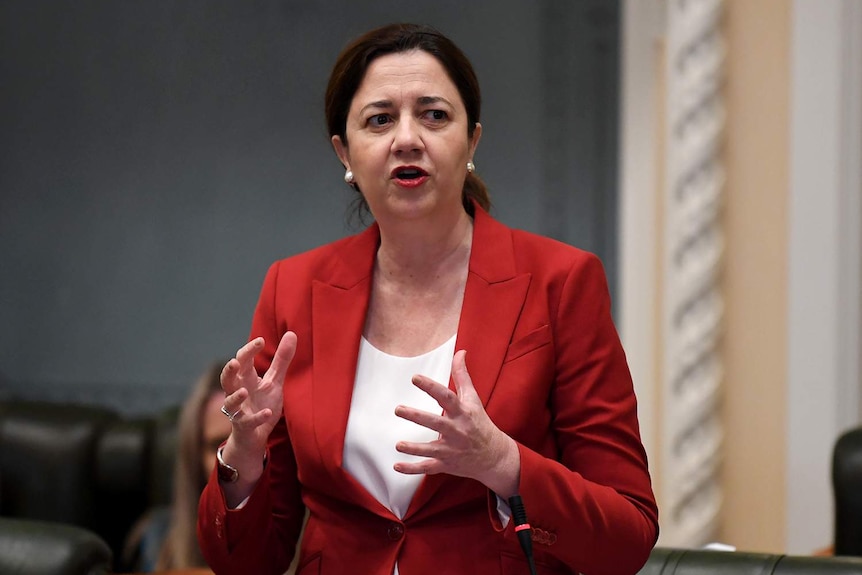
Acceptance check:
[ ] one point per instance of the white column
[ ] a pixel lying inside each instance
(672, 244)
(693, 244)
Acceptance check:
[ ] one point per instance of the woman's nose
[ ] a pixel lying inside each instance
(407, 136)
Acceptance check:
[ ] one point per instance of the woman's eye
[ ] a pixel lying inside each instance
(436, 115)
(379, 120)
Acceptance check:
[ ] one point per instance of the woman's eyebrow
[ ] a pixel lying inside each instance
(421, 100)
(378, 105)
(425, 100)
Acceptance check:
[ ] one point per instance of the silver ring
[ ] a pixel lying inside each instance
(228, 414)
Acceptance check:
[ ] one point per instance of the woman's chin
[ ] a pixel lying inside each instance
(411, 204)
(414, 204)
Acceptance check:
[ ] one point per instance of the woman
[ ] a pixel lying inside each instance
(165, 537)
(412, 479)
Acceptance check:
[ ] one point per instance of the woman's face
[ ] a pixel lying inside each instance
(215, 429)
(407, 142)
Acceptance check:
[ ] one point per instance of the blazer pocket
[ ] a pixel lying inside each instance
(537, 338)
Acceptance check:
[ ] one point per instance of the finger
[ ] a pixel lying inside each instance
(429, 450)
(246, 353)
(252, 420)
(230, 376)
(425, 419)
(233, 401)
(463, 381)
(445, 397)
(243, 362)
(281, 361)
(423, 467)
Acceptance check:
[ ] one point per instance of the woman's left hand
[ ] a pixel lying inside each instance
(469, 444)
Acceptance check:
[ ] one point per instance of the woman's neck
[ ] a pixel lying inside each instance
(423, 253)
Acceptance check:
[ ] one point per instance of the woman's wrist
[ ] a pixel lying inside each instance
(505, 475)
(248, 465)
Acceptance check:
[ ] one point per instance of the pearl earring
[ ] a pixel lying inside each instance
(348, 177)
(471, 167)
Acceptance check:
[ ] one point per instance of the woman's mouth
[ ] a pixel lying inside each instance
(409, 176)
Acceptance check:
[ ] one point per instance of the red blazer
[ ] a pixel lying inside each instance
(546, 360)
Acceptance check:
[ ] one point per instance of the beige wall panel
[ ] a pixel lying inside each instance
(758, 82)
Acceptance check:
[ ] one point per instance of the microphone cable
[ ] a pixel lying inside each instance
(523, 529)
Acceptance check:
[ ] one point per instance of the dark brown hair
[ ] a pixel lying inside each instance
(353, 63)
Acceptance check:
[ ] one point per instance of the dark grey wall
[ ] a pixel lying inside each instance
(156, 156)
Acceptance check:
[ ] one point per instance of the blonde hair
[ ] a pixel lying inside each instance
(180, 549)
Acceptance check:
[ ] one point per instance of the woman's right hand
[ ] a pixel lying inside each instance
(256, 404)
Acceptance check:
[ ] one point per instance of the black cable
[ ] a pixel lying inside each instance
(523, 529)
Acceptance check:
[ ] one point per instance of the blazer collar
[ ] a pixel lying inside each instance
(492, 257)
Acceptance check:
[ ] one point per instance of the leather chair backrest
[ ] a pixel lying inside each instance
(47, 459)
(29, 547)
(121, 478)
(163, 456)
(847, 488)
(670, 561)
(84, 466)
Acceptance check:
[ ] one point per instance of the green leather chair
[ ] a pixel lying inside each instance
(29, 547)
(669, 561)
(84, 466)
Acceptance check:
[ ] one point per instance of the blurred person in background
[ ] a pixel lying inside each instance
(164, 538)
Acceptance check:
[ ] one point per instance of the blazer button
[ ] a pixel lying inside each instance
(395, 531)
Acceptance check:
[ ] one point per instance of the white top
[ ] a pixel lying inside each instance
(382, 383)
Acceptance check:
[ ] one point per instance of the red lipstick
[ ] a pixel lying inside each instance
(409, 176)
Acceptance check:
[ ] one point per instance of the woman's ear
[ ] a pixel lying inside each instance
(474, 141)
(341, 151)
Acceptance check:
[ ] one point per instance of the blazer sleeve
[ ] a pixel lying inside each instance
(261, 536)
(592, 505)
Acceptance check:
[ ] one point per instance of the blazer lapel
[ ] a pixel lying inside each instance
(339, 305)
(493, 299)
